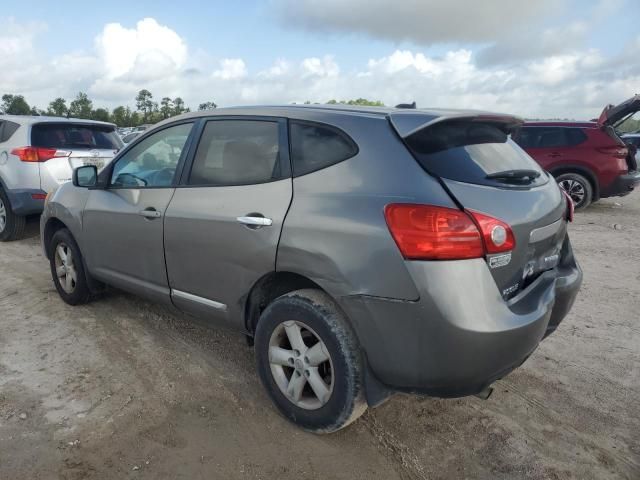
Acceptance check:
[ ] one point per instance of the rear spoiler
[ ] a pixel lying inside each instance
(406, 123)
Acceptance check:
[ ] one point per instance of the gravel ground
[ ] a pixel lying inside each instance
(125, 389)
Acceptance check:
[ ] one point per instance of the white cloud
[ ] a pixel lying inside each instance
(231, 69)
(572, 84)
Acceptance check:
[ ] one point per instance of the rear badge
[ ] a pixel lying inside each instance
(510, 290)
(500, 260)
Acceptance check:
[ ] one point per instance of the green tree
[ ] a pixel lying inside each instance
(58, 108)
(207, 106)
(81, 107)
(101, 114)
(166, 107)
(145, 103)
(178, 106)
(135, 119)
(359, 101)
(15, 105)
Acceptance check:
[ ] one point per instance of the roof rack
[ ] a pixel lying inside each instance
(407, 105)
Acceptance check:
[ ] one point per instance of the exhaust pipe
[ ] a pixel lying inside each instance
(485, 393)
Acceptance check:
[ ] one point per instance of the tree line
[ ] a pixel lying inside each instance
(147, 110)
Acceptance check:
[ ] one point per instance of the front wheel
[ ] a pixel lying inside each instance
(67, 268)
(578, 188)
(309, 361)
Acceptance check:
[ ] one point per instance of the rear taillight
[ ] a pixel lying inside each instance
(571, 207)
(38, 154)
(617, 151)
(498, 236)
(427, 232)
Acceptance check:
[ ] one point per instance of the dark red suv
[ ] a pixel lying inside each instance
(588, 159)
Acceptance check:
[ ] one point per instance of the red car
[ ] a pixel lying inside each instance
(588, 159)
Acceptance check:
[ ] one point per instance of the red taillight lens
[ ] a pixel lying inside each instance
(617, 151)
(37, 154)
(571, 207)
(425, 232)
(497, 235)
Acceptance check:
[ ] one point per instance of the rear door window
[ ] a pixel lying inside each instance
(470, 151)
(237, 152)
(315, 146)
(69, 136)
(550, 137)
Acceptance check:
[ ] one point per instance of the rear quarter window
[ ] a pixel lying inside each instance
(315, 146)
(7, 129)
(468, 151)
(70, 136)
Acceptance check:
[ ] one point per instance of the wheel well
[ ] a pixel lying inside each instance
(270, 287)
(52, 226)
(580, 171)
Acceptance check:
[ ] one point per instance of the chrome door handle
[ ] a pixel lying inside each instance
(150, 213)
(255, 221)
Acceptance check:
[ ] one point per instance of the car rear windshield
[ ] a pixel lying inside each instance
(474, 152)
(71, 136)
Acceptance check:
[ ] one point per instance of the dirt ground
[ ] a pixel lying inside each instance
(124, 389)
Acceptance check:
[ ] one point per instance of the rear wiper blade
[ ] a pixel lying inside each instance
(514, 175)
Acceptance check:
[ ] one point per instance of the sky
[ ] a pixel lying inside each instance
(536, 59)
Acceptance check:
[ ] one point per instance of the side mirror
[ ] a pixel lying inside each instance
(85, 176)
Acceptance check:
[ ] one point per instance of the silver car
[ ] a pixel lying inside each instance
(364, 251)
(38, 154)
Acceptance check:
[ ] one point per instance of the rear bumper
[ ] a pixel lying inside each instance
(23, 202)
(622, 185)
(460, 336)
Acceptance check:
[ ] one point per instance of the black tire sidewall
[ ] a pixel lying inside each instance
(14, 227)
(586, 185)
(81, 294)
(339, 340)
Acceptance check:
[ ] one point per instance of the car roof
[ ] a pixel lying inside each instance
(631, 134)
(560, 123)
(405, 120)
(33, 119)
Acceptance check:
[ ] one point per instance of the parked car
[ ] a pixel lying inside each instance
(365, 251)
(589, 159)
(129, 137)
(38, 154)
(632, 140)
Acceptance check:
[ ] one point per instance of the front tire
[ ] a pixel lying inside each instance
(11, 225)
(67, 268)
(578, 188)
(309, 361)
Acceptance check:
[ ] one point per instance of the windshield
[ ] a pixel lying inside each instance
(69, 136)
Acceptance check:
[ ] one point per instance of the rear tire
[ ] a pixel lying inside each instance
(577, 187)
(67, 268)
(11, 225)
(309, 361)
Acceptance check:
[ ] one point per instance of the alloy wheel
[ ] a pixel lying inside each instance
(574, 189)
(3, 216)
(65, 268)
(301, 365)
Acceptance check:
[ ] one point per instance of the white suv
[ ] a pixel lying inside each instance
(38, 154)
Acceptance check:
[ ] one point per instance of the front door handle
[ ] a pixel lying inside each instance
(255, 221)
(150, 213)
(554, 154)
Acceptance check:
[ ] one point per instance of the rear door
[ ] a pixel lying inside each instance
(223, 224)
(77, 144)
(123, 223)
(469, 156)
(552, 145)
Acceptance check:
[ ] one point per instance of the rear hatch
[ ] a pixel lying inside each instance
(75, 144)
(611, 117)
(484, 171)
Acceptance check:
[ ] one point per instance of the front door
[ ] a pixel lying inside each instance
(223, 224)
(123, 223)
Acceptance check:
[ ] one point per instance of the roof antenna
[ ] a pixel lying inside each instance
(407, 105)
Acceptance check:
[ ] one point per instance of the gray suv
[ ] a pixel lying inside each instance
(364, 251)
